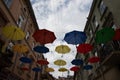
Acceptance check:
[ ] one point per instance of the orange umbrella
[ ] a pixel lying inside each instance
(60, 62)
(50, 69)
(62, 69)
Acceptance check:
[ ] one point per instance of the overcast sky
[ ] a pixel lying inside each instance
(61, 16)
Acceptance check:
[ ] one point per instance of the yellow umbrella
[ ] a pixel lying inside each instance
(50, 69)
(20, 48)
(62, 49)
(13, 33)
(62, 69)
(60, 62)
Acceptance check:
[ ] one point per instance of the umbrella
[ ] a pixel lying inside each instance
(36, 69)
(75, 37)
(20, 48)
(60, 62)
(62, 69)
(41, 49)
(104, 35)
(13, 33)
(88, 67)
(77, 62)
(50, 69)
(94, 59)
(117, 35)
(44, 36)
(75, 68)
(62, 49)
(84, 48)
(24, 68)
(42, 62)
(25, 60)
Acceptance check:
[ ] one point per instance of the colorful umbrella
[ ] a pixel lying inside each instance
(104, 35)
(44, 36)
(13, 33)
(84, 48)
(36, 69)
(41, 49)
(75, 68)
(60, 62)
(42, 62)
(25, 60)
(50, 69)
(88, 67)
(25, 68)
(62, 49)
(94, 59)
(20, 48)
(62, 69)
(75, 37)
(117, 35)
(77, 62)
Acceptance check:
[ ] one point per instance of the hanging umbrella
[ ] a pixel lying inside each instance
(77, 62)
(60, 62)
(41, 49)
(75, 37)
(88, 67)
(13, 33)
(62, 49)
(36, 69)
(25, 60)
(104, 35)
(62, 69)
(20, 48)
(117, 35)
(75, 68)
(42, 62)
(94, 59)
(84, 48)
(50, 69)
(25, 68)
(44, 36)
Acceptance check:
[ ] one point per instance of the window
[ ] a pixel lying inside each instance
(102, 7)
(8, 2)
(95, 22)
(20, 21)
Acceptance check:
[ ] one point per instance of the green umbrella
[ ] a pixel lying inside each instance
(104, 35)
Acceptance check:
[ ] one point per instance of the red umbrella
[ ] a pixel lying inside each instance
(94, 59)
(42, 62)
(74, 68)
(84, 48)
(117, 35)
(44, 36)
(25, 68)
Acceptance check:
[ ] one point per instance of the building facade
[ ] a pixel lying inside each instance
(103, 13)
(20, 14)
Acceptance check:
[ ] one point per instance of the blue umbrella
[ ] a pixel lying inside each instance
(88, 67)
(77, 62)
(36, 69)
(75, 37)
(25, 60)
(41, 49)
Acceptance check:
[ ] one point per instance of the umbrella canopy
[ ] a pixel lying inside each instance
(36, 69)
(117, 35)
(20, 48)
(60, 62)
(50, 69)
(62, 49)
(13, 33)
(44, 36)
(84, 48)
(62, 69)
(77, 62)
(88, 67)
(25, 68)
(104, 35)
(41, 49)
(75, 68)
(75, 37)
(94, 59)
(42, 62)
(25, 60)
